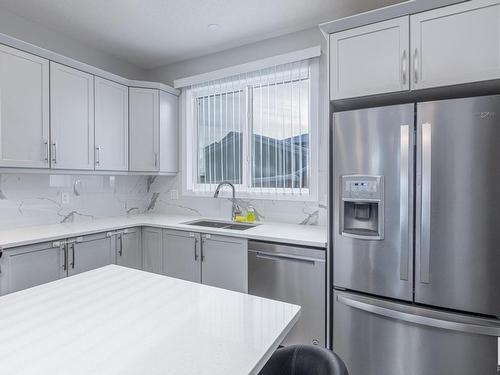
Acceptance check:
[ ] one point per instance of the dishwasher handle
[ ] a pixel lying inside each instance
(283, 256)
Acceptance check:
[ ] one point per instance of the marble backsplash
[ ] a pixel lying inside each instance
(295, 212)
(37, 199)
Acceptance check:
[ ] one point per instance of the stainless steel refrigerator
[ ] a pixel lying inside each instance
(416, 238)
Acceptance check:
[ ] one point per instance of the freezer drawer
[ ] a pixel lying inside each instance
(294, 275)
(377, 337)
(458, 204)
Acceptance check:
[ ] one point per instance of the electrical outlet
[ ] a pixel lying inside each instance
(65, 197)
(174, 195)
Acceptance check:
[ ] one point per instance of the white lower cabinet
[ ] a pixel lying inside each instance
(89, 252)
(128, 248)
(214, 260)
(224, 262)
(220, 261)
(27, 266)
(181, 258)
(152, 252)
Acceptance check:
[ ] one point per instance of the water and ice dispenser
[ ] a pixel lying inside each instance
(362, 207)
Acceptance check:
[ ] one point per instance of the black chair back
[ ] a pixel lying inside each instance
(304, 360)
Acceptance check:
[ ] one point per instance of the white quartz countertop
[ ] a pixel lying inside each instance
(116, 320)
(306, 235)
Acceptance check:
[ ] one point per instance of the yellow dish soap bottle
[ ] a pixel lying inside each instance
(250, 214)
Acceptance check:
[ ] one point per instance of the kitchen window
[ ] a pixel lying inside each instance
(256, 130)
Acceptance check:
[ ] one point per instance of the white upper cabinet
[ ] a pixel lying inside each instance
(71, 118)
(456, 44)
(144, 130)
(370, 60)
(24, 109)
(111, 125)
(169, 132)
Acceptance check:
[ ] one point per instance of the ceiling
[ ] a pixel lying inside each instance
(151, 33)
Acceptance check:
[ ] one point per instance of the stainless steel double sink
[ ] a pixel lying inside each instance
(221, 224)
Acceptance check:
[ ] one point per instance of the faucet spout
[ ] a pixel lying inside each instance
(235, 206)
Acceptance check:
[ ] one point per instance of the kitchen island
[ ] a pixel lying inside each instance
(116, 320)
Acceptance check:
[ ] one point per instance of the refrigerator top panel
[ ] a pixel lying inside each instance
(458, 204)
(373, 174)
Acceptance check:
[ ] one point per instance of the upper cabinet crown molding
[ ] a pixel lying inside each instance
(24, 109)
(71, 118)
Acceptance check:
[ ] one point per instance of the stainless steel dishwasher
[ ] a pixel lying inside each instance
(291, 274)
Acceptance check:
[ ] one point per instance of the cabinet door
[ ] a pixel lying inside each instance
(370, 59)
(181, 258)
(129, 248)
(456, 44)
(111, 125)
(169, 132)
(89, 252)
(152, 253)
(71, 118)
(144, 129)
(24, 109)
(224, 262)
(28, 266)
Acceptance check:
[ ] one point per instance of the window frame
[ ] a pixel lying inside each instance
(189, 133)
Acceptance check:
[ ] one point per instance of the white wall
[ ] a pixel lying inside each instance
(299, 212)
(239, 55)
(34, 33)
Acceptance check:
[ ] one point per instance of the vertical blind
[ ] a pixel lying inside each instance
(253, 130)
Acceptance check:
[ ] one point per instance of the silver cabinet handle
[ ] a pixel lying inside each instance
(46, 151)
(420, 319)
(156, 159)
(97, 156)
(404, 67)
(415, 65)
(195, 249)
(54, 152)
(64, 248)
(404, 200)
(120, 241)
(73, 260)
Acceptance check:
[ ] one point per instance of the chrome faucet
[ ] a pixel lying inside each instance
(235, 209)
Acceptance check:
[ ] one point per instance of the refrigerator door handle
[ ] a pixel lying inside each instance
(423, 242)
(404, 198)
(428, 321)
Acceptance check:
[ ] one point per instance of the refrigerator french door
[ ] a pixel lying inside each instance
(374, 201)
(458, 205)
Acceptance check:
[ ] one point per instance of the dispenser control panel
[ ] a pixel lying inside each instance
(361, 187)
